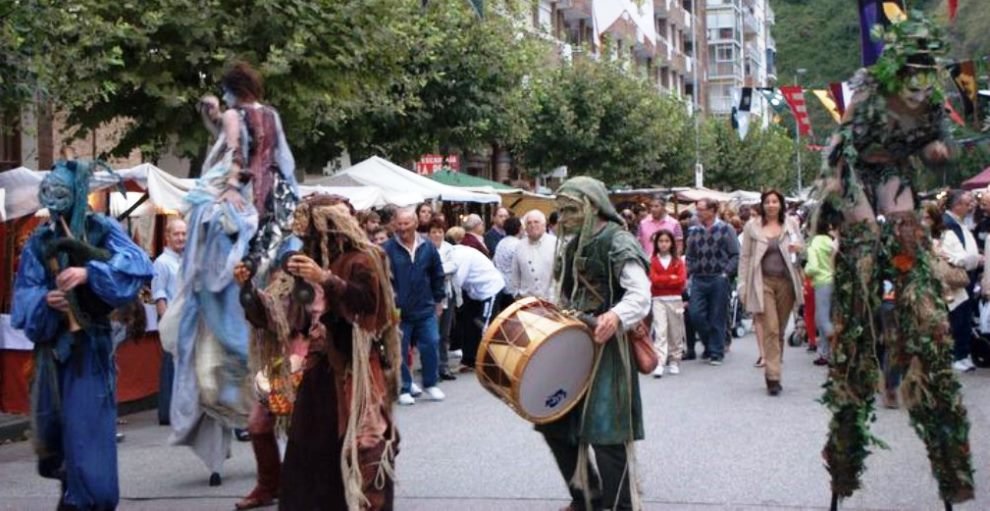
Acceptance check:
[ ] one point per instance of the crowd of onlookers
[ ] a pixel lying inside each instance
(713, 267)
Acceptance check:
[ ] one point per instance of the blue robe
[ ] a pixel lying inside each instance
(74, 405)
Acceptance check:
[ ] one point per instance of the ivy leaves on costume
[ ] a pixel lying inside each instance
(853, 373)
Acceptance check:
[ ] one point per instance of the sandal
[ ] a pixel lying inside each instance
(759, 362)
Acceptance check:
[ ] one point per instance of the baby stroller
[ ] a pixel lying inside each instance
(799, 335)
(737, 328)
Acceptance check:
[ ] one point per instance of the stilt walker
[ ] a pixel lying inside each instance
(893, 128)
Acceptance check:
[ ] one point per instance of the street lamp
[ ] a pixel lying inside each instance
(797, 132)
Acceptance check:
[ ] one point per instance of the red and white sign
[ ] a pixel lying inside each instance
(430, 163)
(795, 99)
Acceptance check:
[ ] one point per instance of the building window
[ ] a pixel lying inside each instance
(725, 53)
(725, 33)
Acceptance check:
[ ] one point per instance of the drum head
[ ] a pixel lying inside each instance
(556, 375)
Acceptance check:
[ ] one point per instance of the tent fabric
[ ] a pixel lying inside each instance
(981, 180)
(386, 175)
(334, 180)
(364, 197)
(167, 193)
(695, 194)
(459, 179)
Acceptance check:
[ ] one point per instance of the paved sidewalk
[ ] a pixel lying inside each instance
(715, 441)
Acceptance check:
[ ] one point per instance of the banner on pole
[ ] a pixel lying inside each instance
(964, 76)
(871, 14)
(794, 96)
(826, 98)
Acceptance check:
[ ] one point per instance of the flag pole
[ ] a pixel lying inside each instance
(797, 134)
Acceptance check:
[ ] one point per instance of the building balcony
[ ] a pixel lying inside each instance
(575, 9)
(720, 105)
(771, 43)
(725, 71)
(771, 17)
(751, 26)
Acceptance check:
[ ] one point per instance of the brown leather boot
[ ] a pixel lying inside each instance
(269, 467)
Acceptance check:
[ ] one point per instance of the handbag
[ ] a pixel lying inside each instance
(952, 276)
(641, 346)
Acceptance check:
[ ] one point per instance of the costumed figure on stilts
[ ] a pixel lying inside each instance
(893, 129)
(240, 209)
(601, 271)
(75, 269)
(329, 348)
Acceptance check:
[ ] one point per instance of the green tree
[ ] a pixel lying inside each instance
(765, 158)
(600, 120)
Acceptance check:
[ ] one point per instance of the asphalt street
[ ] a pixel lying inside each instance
(714, 440)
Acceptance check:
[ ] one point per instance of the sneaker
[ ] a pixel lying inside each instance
(969, 362)
(406, 399)
(821, 361)
(705, 355)
(434, 393)
(658, 372)
(674, 369)
(963, 366)
(415, 391)
(715, 361)
(456, 354)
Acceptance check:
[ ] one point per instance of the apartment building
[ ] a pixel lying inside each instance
(741, 53)
(659, 37)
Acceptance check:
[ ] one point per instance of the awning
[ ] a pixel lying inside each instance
(388, 176)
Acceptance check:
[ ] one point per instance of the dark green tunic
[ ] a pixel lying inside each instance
(614, 411)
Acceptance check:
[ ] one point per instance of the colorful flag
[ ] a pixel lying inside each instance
(871, 14)
(964, 76)
(794, 96)
(775, 98)
(826, 98)
(841, 94)
(953, 6)
(746, 99)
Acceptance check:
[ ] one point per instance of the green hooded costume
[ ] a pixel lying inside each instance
(588, 275)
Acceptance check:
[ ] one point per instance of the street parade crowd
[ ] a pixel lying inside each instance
(306, 320)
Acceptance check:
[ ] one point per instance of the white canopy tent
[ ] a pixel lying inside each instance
(385, 175)
(19, 189)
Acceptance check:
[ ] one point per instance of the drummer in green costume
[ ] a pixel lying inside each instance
(601, 271)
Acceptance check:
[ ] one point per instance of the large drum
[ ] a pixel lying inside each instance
(536, 360)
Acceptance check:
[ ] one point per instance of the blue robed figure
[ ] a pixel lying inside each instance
(81, 265)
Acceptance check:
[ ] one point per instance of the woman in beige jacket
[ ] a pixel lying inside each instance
(770, 278)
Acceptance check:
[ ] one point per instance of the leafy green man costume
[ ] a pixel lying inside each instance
(609, 418)
(883, 140)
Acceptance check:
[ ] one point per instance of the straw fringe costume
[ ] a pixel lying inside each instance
(872, 159)
(342, 440)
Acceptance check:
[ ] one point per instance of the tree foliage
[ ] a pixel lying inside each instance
(599, 120)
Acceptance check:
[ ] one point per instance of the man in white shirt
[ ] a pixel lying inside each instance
(164, 288)
(532, 267)
(480, 283)
(959, 247)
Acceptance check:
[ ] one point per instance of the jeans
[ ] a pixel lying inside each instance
(708, 308)
(165, 377)
(961, 323)
(823, 318)
(427, 336)
(446, 323)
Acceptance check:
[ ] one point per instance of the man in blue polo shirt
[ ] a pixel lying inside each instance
(418, 280)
